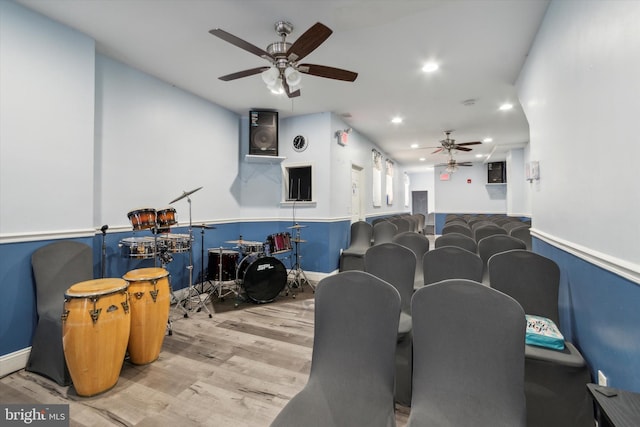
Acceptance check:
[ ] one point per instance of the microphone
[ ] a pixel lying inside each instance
(104, 229)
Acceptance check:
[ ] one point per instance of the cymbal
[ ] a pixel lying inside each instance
(185, 194)
(298, 226)
(205, 226)
(244, 242)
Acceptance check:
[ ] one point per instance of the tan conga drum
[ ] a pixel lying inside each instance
(150, 298)
(95, 333)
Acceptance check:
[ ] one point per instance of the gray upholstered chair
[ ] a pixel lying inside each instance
(402, 224)
(494, 244)
(383, 232)
(352, 258)
(352, 366)
(457, 239)
(451, 262)
(419, 244)
(555, 381)
(514, 224)
(468, 357)
(396, 265)
(523, 233)
(56, 267)
(457, 228)
(487, 230)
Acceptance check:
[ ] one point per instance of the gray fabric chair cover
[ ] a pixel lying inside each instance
(402, 224)
(56, 267)
(419, 244)
(555, 381)
(383, 232)
(457, 239)
(352, 366)
(457, 228)
(486, 231)
(395, 264)
(523, 233)
(352, 258)
(514, 224)
(451, 262)
(468, 357)
(494, 244)
(480, 223)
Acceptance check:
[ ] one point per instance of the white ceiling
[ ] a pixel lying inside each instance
(481, 46)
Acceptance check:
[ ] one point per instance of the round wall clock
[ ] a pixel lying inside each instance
(300, 143)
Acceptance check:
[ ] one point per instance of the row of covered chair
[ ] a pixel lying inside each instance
(547, 370)
(468, 356)
(480, 228)
(363, 235)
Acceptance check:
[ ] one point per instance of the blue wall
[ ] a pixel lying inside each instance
(18, 316)
(599, 313)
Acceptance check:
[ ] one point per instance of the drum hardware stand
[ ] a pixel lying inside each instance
(104, 249)
(202, 277)
(296, 271)
(192, 291)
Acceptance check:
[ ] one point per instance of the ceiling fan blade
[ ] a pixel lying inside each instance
(437, 151)
(242, 44)
(327, 72)
(287, 90)
(457, 147)
(308, 41)
(464, 164)
(244, 73)
(470, 143)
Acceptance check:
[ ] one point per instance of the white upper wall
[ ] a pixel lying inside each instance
(579, 89)
(46, 125)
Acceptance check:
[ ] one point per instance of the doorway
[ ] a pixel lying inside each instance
(357, 204)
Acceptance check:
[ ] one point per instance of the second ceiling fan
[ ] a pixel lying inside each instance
(449, 144)
(284, 69)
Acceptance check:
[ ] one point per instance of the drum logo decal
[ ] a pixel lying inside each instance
(264, 267)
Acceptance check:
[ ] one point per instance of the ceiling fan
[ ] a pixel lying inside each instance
(284, 70)
(449, 144)
(452, 165)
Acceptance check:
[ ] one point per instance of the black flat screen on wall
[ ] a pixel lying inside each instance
(497, 172)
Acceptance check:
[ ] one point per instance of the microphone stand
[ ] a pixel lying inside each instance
(104, 249)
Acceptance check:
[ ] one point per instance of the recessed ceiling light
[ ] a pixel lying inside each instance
(487, 140)
(506, 106)
(396, 120)
(430, 67)
(422, 159)
(479, 155)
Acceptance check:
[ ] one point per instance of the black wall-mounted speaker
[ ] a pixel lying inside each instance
(497, 172)
(263, 133)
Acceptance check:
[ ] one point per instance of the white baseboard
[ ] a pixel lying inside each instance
(12, 362)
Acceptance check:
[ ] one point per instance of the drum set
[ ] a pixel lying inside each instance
(252, 267)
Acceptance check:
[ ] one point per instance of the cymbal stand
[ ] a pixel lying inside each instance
(296, 271)
(192, 292)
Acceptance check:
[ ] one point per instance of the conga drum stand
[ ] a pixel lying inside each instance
(192, 291)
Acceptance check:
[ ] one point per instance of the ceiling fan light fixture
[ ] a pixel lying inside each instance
(270, 76)
(293, 76)
(276, 88)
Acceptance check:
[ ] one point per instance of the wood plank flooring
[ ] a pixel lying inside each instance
(238, 368)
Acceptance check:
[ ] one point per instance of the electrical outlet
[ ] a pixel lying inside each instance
(602, 379)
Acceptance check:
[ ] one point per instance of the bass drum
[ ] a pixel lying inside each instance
(263, 278)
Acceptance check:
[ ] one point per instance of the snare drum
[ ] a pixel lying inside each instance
(95, 331)
(149, 296)
(280, 242)
(222, 264)
(248, 247)
(142, 218)
(166, 218)
(263, 278)
(138, 247)
(176, 243)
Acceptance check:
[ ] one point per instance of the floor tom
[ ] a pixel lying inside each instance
(222, 264)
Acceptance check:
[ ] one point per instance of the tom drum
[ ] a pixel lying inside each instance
(95, 331)
(263, 278)
(222, 264)
(279, 242)
(166, 218)
(143, 218)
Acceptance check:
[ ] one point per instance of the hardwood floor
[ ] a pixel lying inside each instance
(238, 368)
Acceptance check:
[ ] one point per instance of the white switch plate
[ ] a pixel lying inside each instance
(602, 379)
